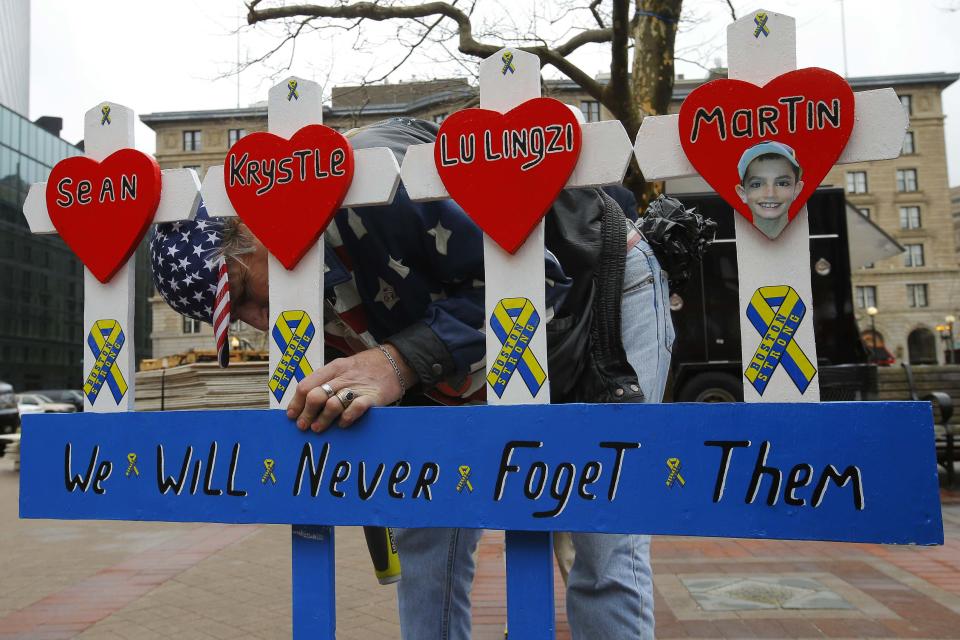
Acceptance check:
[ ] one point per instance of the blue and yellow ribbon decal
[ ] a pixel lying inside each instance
(105, 341)
(507, 59)
(761, 21)
(514, 321)
(464, 481)
(105, 115)
(292, 90)
(292, 332)
(776, 312)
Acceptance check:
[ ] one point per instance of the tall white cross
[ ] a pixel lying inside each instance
(113, 301)
(604, 155)
(376, 176)
(758, 56)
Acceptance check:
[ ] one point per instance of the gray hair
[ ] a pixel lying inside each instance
(236, 241)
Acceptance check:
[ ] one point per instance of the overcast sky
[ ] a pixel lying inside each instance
(172, 55)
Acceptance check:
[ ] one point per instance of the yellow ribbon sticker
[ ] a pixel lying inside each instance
(674, 465)
(514, 321)
(293, 332)
(464, 479)
(507, 59)
(132, 467)
(761, 21)
(105, 341)
(776, 313)
(268, 474)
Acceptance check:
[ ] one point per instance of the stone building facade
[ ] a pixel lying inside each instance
(908, 197)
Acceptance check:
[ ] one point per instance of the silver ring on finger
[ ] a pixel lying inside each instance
(346, 396)
(327, 389)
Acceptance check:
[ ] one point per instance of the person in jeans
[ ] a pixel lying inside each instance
(404, 306)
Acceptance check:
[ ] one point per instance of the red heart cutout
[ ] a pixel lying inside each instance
(507, 194)
(287, 191)
(102, 209)
(809, 110)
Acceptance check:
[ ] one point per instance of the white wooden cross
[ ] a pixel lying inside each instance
(604, 155)
(758, 56)
(179, 199)
(376, 177)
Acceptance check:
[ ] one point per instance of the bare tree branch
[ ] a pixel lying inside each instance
(733, 12)
(467, 44)
(290, 37)
(694, 62)
(617, 90)
(596, 14)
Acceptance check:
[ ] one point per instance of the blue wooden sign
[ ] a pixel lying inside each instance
(857, 472)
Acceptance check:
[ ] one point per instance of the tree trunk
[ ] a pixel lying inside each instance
(651, 80)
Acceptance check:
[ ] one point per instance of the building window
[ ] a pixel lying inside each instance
(191, 141)
(865, 212)
(233, 135)
(906, 180)
(909, 217)
(917, 295)
(907, 101)
(439, 117)
(866, 297)
(914, 255)
(908, 147)
(856, 181)
(191, 325)
(591, 110)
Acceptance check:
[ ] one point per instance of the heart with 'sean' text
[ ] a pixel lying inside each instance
(102, 209)
(809, 112)
(286, 191)
(506, 169)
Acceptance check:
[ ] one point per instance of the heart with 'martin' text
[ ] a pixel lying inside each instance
(286, 191)
(722, 124)
(102, 209)
(506, 169)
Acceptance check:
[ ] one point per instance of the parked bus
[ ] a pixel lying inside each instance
(706, 363)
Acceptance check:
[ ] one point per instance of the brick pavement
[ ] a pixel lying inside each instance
(124, 580)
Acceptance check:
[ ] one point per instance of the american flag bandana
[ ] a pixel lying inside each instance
(191, 276)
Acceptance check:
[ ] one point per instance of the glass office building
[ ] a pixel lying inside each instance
(41, 282)
(15, 55)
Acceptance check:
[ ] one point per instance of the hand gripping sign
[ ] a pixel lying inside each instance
(796, 471)
(101, 205)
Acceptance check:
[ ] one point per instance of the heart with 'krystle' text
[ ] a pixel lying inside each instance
(102, 209)
(724, 123)
(286, 191)
(506, 170)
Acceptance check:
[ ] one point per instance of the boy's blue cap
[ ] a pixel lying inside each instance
(764, 148)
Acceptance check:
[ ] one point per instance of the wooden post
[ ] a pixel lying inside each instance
(292, 105)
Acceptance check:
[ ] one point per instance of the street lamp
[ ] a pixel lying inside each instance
(950, 320)
(872, 312)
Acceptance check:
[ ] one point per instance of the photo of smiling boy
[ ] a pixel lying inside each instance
(769, 183)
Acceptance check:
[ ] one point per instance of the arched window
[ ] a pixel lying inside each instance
(922, 346)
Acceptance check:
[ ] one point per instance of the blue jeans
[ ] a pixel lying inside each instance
(610, 587)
